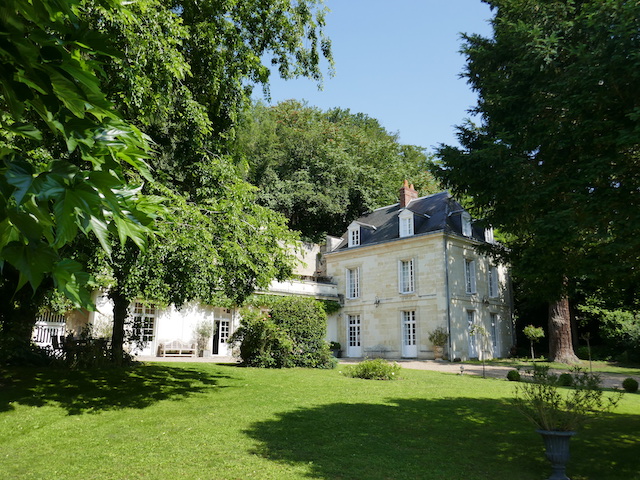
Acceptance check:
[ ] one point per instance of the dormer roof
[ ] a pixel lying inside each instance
(432, 213)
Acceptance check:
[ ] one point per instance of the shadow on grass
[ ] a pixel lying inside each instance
(89, 391)
(451, 438)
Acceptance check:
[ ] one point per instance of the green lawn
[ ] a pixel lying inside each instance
(216, 422)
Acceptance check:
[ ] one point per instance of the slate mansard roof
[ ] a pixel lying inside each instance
(433, 213)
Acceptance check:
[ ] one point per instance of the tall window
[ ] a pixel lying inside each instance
(488, 235)
(493, 282)
(224, 331)
(494, 332)
(409, 327)
(354, 330)
(406, 276)
(354, 235)
(353, 282)
(470, 275)
(144, 318)
(406, 223)
(466, 224)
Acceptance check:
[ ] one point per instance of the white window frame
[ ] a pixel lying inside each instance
(352, 276)
(409, 327)
(354, 323)
(488, 235)
(144, 321)
(493, 281)
(354, 235)
(467, 231)
(406, 221)
(495, 319)
(470, 275)
(406, 276)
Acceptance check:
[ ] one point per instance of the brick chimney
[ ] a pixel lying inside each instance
(407, 193)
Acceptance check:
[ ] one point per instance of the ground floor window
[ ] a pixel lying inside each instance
(354, 330)
(224, 330)
(144, 319)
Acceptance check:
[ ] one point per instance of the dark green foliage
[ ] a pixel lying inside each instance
(64, 150)
(324, 169)
(374, 369)
(565, 380)
(262, 343)
(562, 409)
(291, 334)
(554, 163)
(619, 328)
(513, 376)
(630, 385)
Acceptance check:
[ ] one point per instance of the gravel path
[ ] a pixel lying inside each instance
(609, 380)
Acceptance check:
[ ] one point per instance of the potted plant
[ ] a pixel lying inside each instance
(438, 338)
(203, 332)
(534, 334)
(558, 412)
(336, 349)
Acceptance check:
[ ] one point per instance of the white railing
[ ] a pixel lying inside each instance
(47, 325)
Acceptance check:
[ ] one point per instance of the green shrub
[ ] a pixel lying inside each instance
(513, 375)
(374, 369)
(630, 385)
(565, 380)
(290, 335)
(261, 342)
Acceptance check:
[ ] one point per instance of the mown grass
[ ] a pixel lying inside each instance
(207, 421)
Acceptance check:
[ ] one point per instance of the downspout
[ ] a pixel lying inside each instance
(446, 274)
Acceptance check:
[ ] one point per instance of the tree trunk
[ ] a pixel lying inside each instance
(560, 343)
(120, 306)
(18, 311)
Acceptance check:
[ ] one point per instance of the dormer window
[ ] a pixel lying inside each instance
(466, 224)
(354, 235)
(405, 219)
(488, 235)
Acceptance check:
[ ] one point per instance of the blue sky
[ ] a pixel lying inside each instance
(397, 61)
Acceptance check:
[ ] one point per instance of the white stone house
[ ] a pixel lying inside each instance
(408, 268)
(399, 272)
(156, 326)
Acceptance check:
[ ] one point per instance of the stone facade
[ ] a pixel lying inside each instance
(450, 285)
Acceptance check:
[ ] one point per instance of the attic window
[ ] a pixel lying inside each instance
(406, 223)
(354, 235)
(466, 224)
(488, 235)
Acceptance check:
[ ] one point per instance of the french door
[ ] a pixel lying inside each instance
(354, 347)
(409, 344)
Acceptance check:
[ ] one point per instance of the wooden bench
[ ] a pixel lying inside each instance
(176, 348)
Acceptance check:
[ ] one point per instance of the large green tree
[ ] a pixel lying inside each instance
(322, 169)
(189, 72)
(554, 162)
(63, 151)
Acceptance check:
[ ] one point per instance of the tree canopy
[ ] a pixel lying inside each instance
(554, 163)
(63, 146)
(180, 71)
(322, 169)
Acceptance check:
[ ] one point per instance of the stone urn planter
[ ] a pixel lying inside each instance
(558, 410)
(438, 338)
(438, 352)
(557, 451)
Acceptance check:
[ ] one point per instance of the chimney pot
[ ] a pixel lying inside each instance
(407, 193)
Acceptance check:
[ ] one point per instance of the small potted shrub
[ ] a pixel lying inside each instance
(558, 411)
(513, 376)
(630, 385)
(336, 349)
(439, 339)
